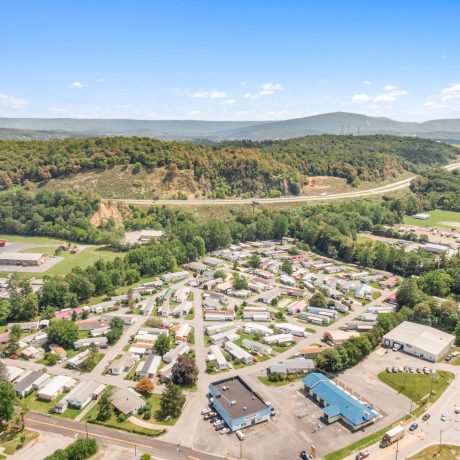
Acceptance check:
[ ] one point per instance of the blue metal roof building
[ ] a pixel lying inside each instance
(339, 404)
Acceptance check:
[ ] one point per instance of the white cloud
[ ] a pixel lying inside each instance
(201, 95)
(389, 87)
(266, 89)
(430, 104)
(213, 95)
(450, 97)
(361, 98)
(218, 95)
(7, 100)
(366, 82)
(77, 85)
(454, 88)
(397, 93)
(58, 110)
(229, 101)
(384, 98)
(243, 83)
(195, 112)
(100, 80)
(271, 87)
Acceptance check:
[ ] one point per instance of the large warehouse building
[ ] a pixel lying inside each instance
(22, 258)
(237, 404)
(338, 403)
(419, 340)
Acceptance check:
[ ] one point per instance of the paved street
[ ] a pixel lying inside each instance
(159, 449)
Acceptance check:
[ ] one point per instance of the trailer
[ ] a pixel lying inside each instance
(392, 436)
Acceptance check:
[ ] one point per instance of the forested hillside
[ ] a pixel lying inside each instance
(225, 169)
(440, 188)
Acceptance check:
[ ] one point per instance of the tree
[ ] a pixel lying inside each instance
(239, 282)
(286, 267)
(63, 332)
(12, 345)
(105, 409)
(437, 283)
(318, 300)
(7, 395)
(254, 261)
(5, 311)
(163, 344)
(280, 226)
(116, 330)
(154, 321)
(146, 457)
(457, 332)
(51, 358)
(145, 386)
(185, 371)
(172, 401)
(3, 373)
(409, 293)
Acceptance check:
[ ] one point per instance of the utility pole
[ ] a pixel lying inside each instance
(86, 430)
(178, 449)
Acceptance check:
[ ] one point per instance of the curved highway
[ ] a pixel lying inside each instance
(285, 199)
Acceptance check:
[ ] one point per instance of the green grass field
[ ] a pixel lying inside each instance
(30, 239)
(437, 218)
(446, 452)
(417, 386)
(83, 259)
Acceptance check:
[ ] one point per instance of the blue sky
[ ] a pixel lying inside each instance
(229, 59)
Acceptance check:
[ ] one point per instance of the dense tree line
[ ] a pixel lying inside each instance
(439, 188)
(81, 449)
(354, 350)
(61, 214)
(329, 229)
(225, 169)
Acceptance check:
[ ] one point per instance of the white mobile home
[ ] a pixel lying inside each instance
(55, 387)
(293, 329)
(279, 339)
(221, 362)
(238, 353)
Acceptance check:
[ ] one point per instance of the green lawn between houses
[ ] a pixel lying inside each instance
(445, 452)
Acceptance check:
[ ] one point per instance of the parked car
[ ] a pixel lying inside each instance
(362, 454)
(426, 370)
(411, 369)
(426, 417)
(394, 369)
(304, 456)
(388, 369)
(443, 417)
(448, 357)
(219, 427)
(207, 416)
(240, 435)
(419, 371)
(457, 409)
(400, 369)
(224, 430)
(413, 427)
(205, 411)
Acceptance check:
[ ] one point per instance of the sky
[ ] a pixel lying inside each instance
(229, 59)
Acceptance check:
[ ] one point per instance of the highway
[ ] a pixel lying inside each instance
(282, 200)
(158, 449)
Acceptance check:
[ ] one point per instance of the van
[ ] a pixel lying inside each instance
(240, 435)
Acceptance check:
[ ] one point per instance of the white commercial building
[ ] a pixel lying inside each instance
(419, 340)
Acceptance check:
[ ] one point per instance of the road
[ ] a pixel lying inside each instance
(431, 432)
(157, 448)
(285, 199)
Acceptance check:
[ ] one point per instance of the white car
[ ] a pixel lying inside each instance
(224, 430)
(240, 435)
(443, 417)
(219, 421)
(205, 411)
(457, 409)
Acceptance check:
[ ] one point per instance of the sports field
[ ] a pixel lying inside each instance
(438, 218)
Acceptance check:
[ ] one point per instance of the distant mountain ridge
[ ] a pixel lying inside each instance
(328, 123)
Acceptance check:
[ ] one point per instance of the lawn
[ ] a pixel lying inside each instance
(288, 379)
(446, 452)
(11, 442)
(30, 239)
(70, 413)
(37, 405)
(125, 425)
(417, 386)
(438, 218)
(82, 259)
(154, 400)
